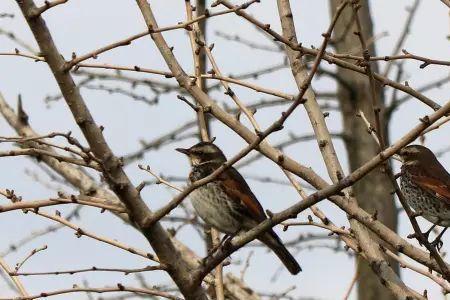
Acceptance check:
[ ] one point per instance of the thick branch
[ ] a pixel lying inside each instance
(112, 168)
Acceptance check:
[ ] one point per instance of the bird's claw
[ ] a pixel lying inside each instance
(216, 247)
(438, 240)
(225, 242)
(437, 243)
(423, 236)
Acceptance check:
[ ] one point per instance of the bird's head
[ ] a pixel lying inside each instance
(203, 152)
(416, 154)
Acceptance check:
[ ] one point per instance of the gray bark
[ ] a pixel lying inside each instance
(374, 191)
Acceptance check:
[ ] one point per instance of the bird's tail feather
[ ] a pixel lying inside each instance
(272, 241)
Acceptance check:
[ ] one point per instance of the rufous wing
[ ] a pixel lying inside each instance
(433, 185)
(238, 190)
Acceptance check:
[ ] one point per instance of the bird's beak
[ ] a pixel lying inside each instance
(182, 150)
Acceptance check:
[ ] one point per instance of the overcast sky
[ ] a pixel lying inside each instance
(83, 25)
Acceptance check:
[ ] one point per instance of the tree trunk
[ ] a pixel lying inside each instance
(373, 192)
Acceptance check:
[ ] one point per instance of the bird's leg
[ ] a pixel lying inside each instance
(227, 241)
(427, 233)
(438, 243)
(224, 240)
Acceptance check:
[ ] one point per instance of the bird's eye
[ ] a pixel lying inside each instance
(195, 151)
(404, 153)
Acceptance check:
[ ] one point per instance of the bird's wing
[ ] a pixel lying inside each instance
(237, 189)
(433, 184)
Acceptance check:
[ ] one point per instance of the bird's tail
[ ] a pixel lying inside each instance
(271, 240)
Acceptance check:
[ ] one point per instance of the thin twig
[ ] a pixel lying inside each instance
(91, 269)
(16, 281)
(32, 253)
(351, 285)
(47, 5)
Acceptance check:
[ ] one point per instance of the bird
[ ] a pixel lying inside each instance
(426, 186)
(227, 203)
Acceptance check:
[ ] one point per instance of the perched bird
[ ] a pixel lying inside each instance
(426, 186)
(227, 203)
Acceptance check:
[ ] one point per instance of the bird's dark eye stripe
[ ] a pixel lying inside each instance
(208, 156)
(200, 151)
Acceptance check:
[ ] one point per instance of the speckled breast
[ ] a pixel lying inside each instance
(432, 208)
(215, 208)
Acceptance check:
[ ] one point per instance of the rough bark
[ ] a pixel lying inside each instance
(113, 172)
(354, 94)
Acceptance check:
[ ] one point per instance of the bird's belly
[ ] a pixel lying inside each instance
(213, 206)
(433, 209)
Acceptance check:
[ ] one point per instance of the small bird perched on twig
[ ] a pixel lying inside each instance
(227, 203)
(426, 186)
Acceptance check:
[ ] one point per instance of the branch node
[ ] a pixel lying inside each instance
(425, 120)
(374, 215)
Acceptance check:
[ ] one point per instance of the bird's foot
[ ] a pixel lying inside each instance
(225, 242)
(438, 243)
(212, 250)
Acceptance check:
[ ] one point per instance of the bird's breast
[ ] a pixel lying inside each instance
(215, 208)
(432, 208)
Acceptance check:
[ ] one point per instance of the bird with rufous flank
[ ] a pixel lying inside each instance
(426, 186)
(227, 203)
